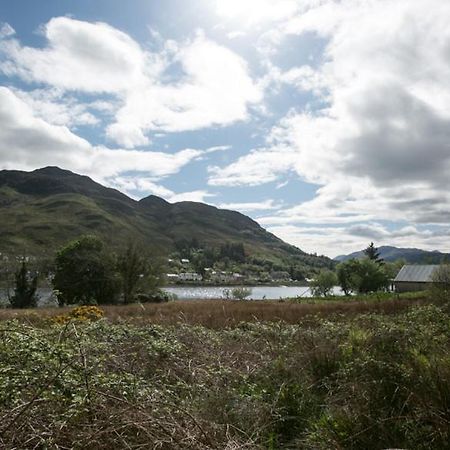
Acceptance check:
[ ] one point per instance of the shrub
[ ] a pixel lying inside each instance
(237, 293)
(157, 296)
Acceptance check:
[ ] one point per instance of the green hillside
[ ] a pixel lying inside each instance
(43, 209)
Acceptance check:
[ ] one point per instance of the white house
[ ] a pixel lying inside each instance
(172, 276)
(190, 276)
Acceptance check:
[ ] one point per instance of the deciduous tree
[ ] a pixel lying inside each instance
(85, 273)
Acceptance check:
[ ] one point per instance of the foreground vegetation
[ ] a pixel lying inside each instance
(235, 375)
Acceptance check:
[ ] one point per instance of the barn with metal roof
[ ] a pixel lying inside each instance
(414, 278)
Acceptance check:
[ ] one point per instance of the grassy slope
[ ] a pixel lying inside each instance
(357, 381)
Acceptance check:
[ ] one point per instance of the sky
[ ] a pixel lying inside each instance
(327, 121)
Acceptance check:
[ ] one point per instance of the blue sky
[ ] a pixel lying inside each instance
(326, 121)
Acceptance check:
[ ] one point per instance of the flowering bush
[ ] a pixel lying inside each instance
(81, 313)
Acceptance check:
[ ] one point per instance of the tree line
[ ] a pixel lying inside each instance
(86, 271)
(368, 274)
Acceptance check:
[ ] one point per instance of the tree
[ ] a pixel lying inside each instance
(323, 284)
(25, 289)
(344, 272)
(132, 266)
(373, 254)
(362, 276)
(85, 273)
(441, 283)
(393, 268)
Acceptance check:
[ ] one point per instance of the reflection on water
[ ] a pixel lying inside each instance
(258, 292)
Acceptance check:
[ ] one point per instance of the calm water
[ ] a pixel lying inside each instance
(207, 293)
(45, 297)
(258, 292)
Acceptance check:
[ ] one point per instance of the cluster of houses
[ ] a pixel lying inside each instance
(410, 278)
(214, 276)
(210, 275)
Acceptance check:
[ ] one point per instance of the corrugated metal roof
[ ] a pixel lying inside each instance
(416, 274)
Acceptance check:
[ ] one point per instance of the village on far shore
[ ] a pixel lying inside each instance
(211, 276)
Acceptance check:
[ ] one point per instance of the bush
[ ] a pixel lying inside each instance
(80, 314)
(158, 296)
(237, 293)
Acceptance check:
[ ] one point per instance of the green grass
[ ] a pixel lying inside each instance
(374, 380)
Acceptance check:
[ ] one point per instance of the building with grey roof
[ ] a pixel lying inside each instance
(414, 278)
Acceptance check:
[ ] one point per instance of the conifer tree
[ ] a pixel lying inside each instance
(373, 254)
(25, 289)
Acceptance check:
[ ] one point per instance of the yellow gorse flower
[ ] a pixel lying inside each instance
(81, 314)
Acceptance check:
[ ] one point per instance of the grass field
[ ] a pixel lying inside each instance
(371, 374)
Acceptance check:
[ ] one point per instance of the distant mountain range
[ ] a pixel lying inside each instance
(410, 255)
(42, 210)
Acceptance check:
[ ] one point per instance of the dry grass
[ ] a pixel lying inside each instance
(217, 314)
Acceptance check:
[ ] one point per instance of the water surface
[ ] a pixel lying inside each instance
(258, 292)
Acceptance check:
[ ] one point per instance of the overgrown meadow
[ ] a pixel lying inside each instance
(353, 380)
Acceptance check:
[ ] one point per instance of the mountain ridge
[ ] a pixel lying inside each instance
(411, 255)
(45, 208)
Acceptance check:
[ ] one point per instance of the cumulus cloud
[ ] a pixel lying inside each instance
(185, 86)
(251, 206)
(381, 143)
(80, 56)
(29, 142)
(59, 109)
(258, 167)
(214, 89)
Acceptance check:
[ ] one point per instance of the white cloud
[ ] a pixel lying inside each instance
(185, 86)
(192, 196)
(214, 89)
(258, 167)
(379, 148)
(57, 109)
(29, 142)
(80, 56)
(138, 187)
(251, 206)
(6, 30)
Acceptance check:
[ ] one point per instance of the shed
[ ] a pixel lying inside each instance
(414, 278)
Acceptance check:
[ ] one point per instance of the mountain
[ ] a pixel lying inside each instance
(410, 255)
(44, 209)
